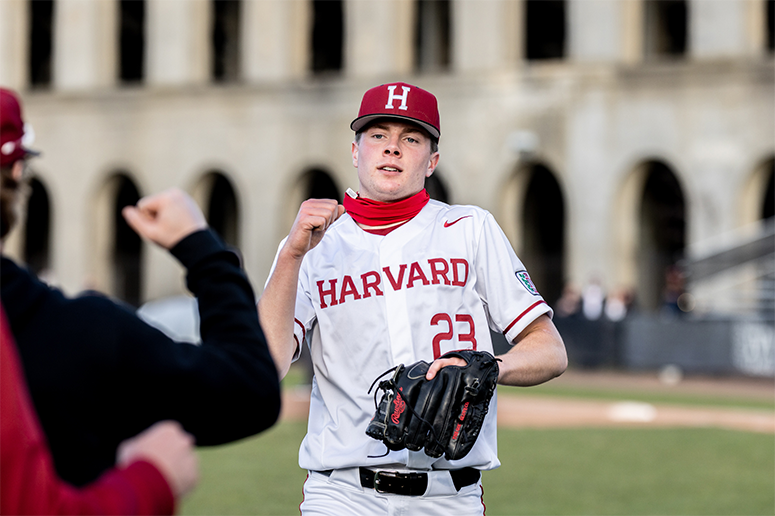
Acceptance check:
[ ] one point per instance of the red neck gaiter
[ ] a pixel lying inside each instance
(376, 213)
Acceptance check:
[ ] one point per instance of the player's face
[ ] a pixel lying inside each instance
(393, 159)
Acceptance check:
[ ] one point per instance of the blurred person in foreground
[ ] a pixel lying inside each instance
(154, 468)
(98, 374)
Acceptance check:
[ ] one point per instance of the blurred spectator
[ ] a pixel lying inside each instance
(592, 299)
(155, 467)
(674, 289)
(617, 304)
(98, 374)
(569, 304)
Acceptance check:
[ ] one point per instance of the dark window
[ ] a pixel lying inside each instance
(544, 233)
(432, 35)
(226, 37)
(666, 27)
(41, 23)
(132, 40)
(327, 35)
(37, 228)
(222, 210)
(127, 246)
(545, 29)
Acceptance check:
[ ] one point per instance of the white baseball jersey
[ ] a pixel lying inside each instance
(366, 303)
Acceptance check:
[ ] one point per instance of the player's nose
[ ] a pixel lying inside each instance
(392, 148)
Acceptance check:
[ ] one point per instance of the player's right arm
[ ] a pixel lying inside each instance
(277, 303)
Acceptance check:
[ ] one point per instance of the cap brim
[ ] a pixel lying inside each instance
(361, 122)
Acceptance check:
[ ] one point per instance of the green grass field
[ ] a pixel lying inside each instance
(561, 471)
(678, 397)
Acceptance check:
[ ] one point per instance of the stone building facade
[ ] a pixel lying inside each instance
(611, 139)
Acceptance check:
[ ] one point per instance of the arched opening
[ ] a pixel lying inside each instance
(37, 229)
(127, 245)
(131, 40)
(222, 209)
(436, 187)
(327, 36)
(768, 203)
(432, 35)
(543, 232)
(320, 185)
(225, 40)
(661, 237)
(41, 14)
(666, 27)
(544, 29)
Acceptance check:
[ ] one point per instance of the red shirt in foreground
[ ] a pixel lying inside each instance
(28, 482)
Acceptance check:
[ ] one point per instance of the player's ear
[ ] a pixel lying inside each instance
(355, 154)
(432, 163)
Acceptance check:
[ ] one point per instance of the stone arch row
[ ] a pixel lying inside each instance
(119, 249)
(650, 230)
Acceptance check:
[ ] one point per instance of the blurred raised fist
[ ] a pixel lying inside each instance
(165, 218)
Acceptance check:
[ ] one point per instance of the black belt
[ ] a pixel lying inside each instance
(412, 484)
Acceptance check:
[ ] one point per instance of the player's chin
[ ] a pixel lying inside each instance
(390, 189)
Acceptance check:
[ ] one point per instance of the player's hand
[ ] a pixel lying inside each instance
(442, 362)
(165, 218)
(312, 221)
(167, 447)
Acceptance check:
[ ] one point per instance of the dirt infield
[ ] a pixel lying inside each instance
(542, 411)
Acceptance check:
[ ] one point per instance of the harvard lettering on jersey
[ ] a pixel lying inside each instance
(434, 271)
(366, 303)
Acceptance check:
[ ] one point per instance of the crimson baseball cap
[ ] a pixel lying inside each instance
(401, 101)
(14, 133)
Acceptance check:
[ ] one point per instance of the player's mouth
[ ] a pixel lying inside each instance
(389, 169)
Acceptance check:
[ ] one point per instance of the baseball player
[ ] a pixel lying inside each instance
(392, 277)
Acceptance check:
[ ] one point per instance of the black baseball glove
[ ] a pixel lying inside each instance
(443, 415)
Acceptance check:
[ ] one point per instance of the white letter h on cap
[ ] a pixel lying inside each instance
(392, 95)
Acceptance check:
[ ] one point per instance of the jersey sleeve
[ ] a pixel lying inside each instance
(304, 312)
(504, 285)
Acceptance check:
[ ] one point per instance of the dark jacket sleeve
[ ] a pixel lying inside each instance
(228, 387)
(98, 374)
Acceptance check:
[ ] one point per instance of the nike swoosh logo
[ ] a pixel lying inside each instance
(448, 223)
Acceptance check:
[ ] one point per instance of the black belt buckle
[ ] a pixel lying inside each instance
(407, 484)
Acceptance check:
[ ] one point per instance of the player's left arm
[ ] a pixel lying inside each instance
(538, 355)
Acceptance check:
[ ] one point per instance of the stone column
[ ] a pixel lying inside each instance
(595, 30)
(85, 48)
(487, 35)
(379, 37)
(275, 39)
(177, 49)
(14, 47)
(726, 28)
